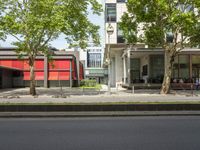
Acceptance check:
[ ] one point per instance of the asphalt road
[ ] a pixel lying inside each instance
(128, 133)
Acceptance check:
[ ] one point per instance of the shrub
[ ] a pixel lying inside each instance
(88, 83)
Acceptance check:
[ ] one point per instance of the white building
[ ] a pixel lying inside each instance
(142, 67)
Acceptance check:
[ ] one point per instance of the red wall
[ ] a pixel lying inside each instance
(59, 69)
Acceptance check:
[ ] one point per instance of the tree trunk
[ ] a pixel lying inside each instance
(32, 77)
(165, 89)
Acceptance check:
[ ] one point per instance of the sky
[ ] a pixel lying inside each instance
(61, 43)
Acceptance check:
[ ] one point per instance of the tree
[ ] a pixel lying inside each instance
(34, 23)
(2, 10)
(169, 24)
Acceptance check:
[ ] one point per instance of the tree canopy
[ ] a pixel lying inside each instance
(168, 24)
(156, 19)
(34, 23)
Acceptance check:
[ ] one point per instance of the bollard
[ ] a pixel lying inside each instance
(192, 89)
(133, 90)
(83, 91)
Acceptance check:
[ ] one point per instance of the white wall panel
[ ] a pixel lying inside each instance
(110, 1)
(121, 8)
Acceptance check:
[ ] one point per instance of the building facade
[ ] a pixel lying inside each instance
(142, 66)
(92, 59)
(62, 70)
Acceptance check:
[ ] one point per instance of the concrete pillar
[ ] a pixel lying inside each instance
(77, 64)
(70, 78)
(113, 74)
(46, 72)
(129, 67)
(118, 68)
(125, 69)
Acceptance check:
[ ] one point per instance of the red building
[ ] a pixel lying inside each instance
(63, 70)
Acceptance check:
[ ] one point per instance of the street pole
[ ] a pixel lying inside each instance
(109, 63)
(110, 31)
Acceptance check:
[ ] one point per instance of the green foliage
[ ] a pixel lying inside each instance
(34, 23)
(88, 83)
(158, 17)
(2, 9)
(129, 28)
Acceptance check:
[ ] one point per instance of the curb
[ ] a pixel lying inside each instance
(96, 114)
(97, 107)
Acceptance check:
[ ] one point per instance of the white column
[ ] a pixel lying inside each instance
(125, 70)
(118, 68)
(129, 67)
(113, 74)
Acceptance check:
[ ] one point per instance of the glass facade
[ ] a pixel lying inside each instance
(110, 13)
(94, 60)
(184, 72)
(135, 70)
(156, 68)
(187, 68)
(196, 68)
(181, 68)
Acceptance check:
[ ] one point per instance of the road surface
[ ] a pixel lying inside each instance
(117, 133)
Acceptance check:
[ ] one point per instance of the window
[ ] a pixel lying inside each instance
(170, 37)
(94, 60)
(185, 8)
(175, 68)
(184, 67)
(135, 70)
(181, 67)
(196, 67)
(145, 70)
(120, 1)
(110, 12)
(120, 38)
(156, 68)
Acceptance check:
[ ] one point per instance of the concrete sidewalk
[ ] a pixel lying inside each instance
(56, 102)
(78, 95)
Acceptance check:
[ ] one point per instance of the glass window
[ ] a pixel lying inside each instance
(156, 68)
(135, 70)
(175, 68)
(184, 67)
(196, 61)
(94, 60)
(196, 67)
(120, 1)
(110, 12)
(120, 38)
